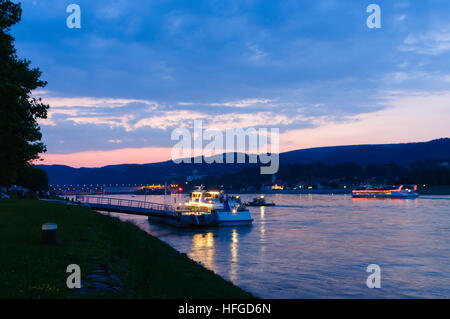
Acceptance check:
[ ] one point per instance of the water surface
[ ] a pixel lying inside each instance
(318, 246)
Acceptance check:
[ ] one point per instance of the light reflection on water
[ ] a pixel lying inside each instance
(203, 249)
(318, 246)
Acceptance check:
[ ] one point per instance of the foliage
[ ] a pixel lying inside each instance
(33, 178)
(20, 136)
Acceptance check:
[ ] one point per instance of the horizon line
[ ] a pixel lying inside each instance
(203, 156)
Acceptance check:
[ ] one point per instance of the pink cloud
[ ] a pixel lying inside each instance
(408, 117)
(111, 157)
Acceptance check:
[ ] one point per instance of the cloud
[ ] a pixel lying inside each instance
(243, 103)
(102, 158)
(238, 103)
(111, 121)
(116, 113)
(407, 116)
(256, 54)
(169, 119)
(93, 102)
(245, 120)
(429, 43)
(173, 119)
(91, 110)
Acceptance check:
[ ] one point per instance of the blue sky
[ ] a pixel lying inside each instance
(138, 69)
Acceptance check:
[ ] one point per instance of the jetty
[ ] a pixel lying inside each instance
(156, 212)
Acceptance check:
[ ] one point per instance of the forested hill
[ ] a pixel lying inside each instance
(401, 154)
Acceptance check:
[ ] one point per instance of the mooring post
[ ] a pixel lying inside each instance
(49, 233)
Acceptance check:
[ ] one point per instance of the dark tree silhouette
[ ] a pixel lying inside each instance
(20, 136)
(33, 178)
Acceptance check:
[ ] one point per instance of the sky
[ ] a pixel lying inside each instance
(137, 70)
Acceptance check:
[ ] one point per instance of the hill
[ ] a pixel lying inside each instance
(402, 154)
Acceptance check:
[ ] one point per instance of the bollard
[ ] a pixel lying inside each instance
(49, 233)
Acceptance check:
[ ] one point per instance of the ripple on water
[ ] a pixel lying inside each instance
(318, 246)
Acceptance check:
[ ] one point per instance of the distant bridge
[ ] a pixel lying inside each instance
(71, 190)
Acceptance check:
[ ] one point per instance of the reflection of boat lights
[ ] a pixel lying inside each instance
(203, 249)
(234, 255)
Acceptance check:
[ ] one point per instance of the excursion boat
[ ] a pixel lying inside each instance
(386, 192)
(229, 209)
(260, 201)
(185, 219)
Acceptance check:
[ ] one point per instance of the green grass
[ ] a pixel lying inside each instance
(147, 267)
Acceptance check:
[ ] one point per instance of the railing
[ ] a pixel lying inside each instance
(108, 201)
(128, 203)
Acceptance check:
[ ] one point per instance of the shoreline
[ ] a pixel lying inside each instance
(422, 192)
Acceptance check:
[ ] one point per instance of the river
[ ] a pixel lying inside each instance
(319, 246)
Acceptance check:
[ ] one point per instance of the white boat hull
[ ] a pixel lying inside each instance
(229, 210)
(234, 219)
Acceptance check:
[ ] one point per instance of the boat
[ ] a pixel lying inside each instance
(400, 192)
(190, 219)
(259, 201)
(229, 209)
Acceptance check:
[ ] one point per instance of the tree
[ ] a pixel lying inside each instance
(20, 136)
(33, 178)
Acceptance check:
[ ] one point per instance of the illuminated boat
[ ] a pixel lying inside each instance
(386, 192)
(260, 201)
(229, 209)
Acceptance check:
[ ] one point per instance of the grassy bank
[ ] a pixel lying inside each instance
(117, 259)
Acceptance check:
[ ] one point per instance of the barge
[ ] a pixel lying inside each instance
(400, 192)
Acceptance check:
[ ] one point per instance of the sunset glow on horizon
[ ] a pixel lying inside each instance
(137, 76)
